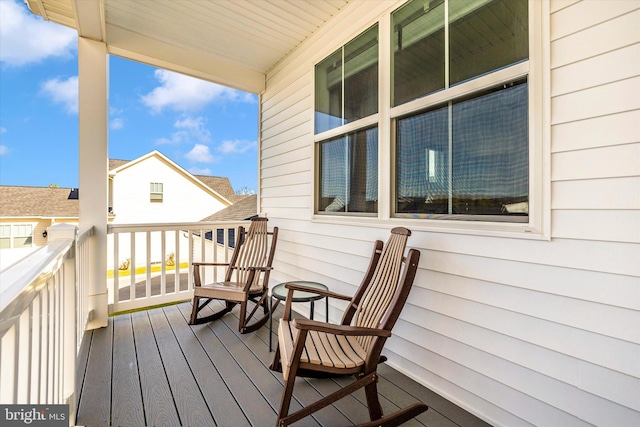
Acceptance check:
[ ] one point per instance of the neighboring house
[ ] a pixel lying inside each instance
(152, 189)
(25, 214)
(506, 139)
(149, 189)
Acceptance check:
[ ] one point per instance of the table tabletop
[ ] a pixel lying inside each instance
(280, 292)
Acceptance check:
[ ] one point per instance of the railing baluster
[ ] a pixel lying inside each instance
(8, 349)
(34, 338)
(132, 268)
(116, 268)
(24, 357)
(147, 293)
(163, 264)
(177, 271)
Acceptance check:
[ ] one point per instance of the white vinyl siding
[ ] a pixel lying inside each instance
(134, 187)
(519, 332)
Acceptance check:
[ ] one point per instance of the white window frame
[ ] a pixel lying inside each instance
(537, 70)
(153, 190)
(13, 233)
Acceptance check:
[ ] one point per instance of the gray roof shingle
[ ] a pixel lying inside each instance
(37, 201)
(245, 208)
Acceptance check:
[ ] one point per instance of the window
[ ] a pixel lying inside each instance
(468, 153)
(452, 129)
(156, 192)
(346, 93)
(469, 157)
(5, 236)
(347, 83)
(349, 173)
(16, 236)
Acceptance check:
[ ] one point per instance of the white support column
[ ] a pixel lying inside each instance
(93, 104)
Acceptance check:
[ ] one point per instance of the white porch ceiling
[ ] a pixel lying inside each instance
(232, 42)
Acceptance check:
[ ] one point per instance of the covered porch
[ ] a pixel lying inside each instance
(151, 368)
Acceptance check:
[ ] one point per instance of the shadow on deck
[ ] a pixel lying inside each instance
(150, 368)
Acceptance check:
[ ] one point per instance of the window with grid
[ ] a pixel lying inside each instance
(5, 236)
(16, 236)
(462, 146)
(22, 236)
(156, 192)
(346, 96)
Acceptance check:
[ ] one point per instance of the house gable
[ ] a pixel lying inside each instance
(118, 166)
(152, 188)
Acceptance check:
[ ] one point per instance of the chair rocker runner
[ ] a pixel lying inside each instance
(246, 278)
(308, 348)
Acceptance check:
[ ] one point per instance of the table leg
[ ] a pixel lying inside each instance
(270, 321)
(311, 311)
(326, 307)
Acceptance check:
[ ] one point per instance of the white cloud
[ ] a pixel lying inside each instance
(115, 120)
(200, 171)
(200, 153)
(195, 127)
(25, 38)
(63, 92)
(3, 150)
(183, 93)
(188, 129)
(116, 123)
(236, 146)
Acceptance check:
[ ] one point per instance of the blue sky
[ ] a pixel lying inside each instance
(206, 128)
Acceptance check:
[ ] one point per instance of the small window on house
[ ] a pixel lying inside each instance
(156, 192)
(5, 236)
(16, 236)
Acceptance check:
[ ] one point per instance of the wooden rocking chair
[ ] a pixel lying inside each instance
(310, 348)
(246, 278)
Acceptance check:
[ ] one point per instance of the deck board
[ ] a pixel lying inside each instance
(192, 408)
(165, 372)
(159, 407)
(94, 405)
(127, 408)
(202, 351)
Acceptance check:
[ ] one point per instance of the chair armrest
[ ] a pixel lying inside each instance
(262, 268)
(347, 330)
(214, 264)
(317, 291)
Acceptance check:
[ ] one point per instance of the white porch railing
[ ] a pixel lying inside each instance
(151, 264)
(43, 315)
(44, 308)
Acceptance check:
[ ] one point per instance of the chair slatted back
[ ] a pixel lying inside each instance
(379, 294)
(253, 250)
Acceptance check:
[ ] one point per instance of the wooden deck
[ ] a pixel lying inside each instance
(150, 368)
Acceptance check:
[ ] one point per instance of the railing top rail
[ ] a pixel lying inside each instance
(20, 282)
(124, 228)
(85, 233)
